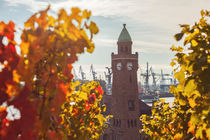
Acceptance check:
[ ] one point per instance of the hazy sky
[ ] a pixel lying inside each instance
(151, 24)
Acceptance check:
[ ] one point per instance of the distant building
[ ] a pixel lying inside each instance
(124, 103)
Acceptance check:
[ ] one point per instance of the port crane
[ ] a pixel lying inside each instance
(108, 77)
(75, 75)
(93, 72)
(82, 73)
(146, 77)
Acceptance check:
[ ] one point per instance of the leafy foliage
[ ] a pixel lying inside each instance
(38, 82)
(84, 112)
(189, 117)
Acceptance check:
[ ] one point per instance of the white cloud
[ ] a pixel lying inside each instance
(138, 45)
(158, 18)
(105, 42)
(164, 13)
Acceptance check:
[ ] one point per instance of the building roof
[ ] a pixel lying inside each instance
(124, 35)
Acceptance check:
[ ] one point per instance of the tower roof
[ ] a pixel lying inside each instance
(124, 35)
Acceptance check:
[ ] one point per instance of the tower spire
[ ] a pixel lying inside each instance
(124, 35)
(124, 25)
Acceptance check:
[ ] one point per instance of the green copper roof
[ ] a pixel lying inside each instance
(124, 35)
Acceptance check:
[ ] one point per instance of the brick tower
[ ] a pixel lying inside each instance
(125, 103)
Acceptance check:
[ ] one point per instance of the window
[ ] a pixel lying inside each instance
(130, 79)
(119, 123)
(121, 49)
(114, 122)
(128, 123)
(126, 49)
(131, 106)
(131, 123)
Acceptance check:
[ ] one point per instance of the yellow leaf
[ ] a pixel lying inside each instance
(182, 102)
(24, 48)
(194, 119)
(62, 15)
(192, 103)
(199, 133)
(208, 133)
(180, 76)
(30, 22)
(178, 136)
(83, 96)
(208, 58)
(179, 49)
(86, 14)
(173, 48)
(191, 129)
(93, 28)
(194, 43)
(16, 76)
(10, 90)
(172, 63)
(190, 87)
(91, 48)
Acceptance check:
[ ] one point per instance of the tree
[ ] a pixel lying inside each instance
(38, 82)
(189, 117)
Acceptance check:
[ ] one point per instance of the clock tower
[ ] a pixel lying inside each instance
(125, 103)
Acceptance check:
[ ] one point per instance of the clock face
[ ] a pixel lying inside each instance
(129, 66)
(119, 66)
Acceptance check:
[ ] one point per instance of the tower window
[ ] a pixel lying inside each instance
(128, 123)
(121, 49)
(126, 49)
(131, 106)
(131, 123)
(114, 123)
(117, 123)
(130, 79)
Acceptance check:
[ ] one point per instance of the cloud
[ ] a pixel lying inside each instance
(138, 45)
(163, 13)
(152, 23)
(31, 5)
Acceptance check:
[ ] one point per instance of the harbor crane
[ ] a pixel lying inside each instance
(93, 72)
(75, 75)
(82, 73)
(109, 79)
(163, 85)
(109, 75)
(146, 77)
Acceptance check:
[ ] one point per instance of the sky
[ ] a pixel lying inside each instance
(151, 24)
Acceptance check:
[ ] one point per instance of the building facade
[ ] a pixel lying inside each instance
(125, 104)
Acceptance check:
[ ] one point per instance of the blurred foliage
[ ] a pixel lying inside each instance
(38, 82)
(189, 116)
